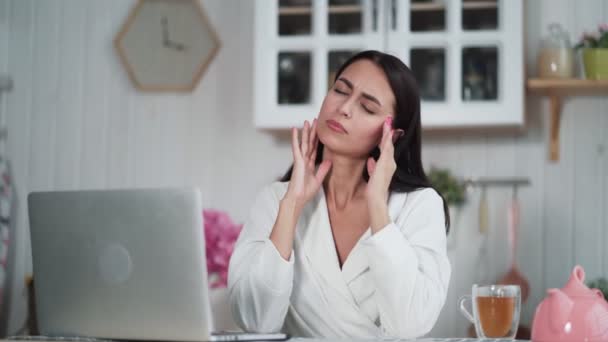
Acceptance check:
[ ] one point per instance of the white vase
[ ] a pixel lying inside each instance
(222, 318)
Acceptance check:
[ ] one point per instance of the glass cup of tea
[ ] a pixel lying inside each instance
(496, 310)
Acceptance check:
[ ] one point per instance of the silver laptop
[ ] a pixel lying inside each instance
(122, 264)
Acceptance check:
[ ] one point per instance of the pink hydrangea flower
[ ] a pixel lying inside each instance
(594, 40)
(220, 236)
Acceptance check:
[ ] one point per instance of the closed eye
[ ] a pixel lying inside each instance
(340, 91)
(369, 106)
(369, 111)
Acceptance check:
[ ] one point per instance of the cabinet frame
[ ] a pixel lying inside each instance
(394, 37)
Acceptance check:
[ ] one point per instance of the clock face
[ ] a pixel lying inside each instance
(166, 44)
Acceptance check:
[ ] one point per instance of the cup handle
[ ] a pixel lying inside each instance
(464, 310)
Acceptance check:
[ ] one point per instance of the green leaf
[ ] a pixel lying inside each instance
(603, 41)
(452, 190)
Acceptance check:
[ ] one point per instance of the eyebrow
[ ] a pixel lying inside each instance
(366, 95)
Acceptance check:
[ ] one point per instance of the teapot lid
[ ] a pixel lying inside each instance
(557, 38)
(576, 284)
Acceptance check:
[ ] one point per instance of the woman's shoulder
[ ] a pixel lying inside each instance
(422, 194)
(275, 190)
(278, 187)
(420, 210)
(421, 198)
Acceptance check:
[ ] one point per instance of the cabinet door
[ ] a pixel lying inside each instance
(299, 44)
(467, 56)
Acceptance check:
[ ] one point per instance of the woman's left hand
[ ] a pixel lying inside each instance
(381, 171)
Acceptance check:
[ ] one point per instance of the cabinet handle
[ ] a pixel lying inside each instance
(374, 15)
(394, 14)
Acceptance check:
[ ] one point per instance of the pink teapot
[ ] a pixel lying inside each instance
(574, 313)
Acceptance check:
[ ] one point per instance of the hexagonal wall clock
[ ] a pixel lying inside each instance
(166, 45)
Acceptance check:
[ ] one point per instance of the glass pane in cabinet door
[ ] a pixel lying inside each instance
(295, 17)
(479, 14)
(294, 77)
(428, 66)
(345, 16)
(334, 62)
(479, 73)
(427, 15)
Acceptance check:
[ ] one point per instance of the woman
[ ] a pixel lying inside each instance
(352, 242)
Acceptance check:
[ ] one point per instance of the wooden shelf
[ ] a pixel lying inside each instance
(567, 86)
(440, 6)
(479, 5)
(427, 6)
(304, 10)
(345, 9)
(295, 10)
(557, 90)
(415, 7)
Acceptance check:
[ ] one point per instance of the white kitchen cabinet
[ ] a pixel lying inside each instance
(467, 56)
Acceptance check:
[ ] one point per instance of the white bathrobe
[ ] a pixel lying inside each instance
(392, 284)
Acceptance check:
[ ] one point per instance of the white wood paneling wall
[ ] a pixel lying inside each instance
(564, 219)
(76, 122)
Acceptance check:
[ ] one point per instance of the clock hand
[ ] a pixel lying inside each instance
(165, 31)
(177, 46)
(167, 42)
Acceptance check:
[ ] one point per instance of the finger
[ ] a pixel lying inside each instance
(323, 170)
(315, 145)
(388, 125)
(312, 136)
(316, 140)
(305, 132)
(387, 146)
(371, 166)
(386, 129)
(313, 156)
(386, 149)
(387, 154)
(295, 144)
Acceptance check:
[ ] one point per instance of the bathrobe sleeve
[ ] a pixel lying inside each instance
(259, 279)
(409, 266)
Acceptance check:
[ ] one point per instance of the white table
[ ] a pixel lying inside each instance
(319, 340)
(400, 340)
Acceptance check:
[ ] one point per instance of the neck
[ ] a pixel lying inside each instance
(344, 182)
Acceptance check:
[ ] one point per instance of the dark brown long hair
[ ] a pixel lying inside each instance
(409, 175)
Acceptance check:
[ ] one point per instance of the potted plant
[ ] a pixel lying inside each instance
(595, 53)
(454, 193)
(450, 188)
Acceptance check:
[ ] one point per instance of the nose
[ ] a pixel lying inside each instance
(346, 109)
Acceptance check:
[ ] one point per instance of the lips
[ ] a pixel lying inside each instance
(336, 126)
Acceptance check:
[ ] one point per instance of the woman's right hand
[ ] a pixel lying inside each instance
(305, 178)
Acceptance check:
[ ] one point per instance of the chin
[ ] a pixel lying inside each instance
(332, 140)
(343, 145)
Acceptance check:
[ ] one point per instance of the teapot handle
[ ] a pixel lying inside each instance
(579, 273)
(598, 293)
